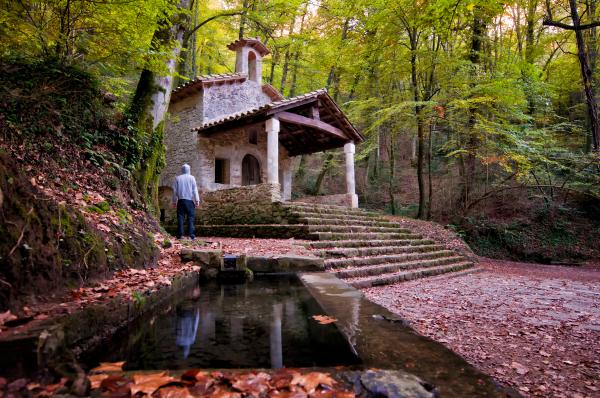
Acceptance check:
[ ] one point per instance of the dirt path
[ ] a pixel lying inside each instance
(533, 327)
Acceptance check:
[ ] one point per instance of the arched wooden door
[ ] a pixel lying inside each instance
(250, 170)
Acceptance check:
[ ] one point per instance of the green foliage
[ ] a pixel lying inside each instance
(50, 104)
(99, 208)
(139, 300)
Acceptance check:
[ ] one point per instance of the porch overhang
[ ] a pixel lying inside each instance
(309, 123)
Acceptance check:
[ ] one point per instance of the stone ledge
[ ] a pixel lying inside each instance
(274, 231)
(54, 340)
(285, 263)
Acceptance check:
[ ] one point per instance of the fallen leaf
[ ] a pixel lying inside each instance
(220, 393)
(117, 385)
(149, 382)
(282, 378)
(109, 367)
(324, 319)
(174, 392)
(6, 316)
(522, 370)
(312, 380)
(96, 380)
(103, 228)
(288, 394)
(253, 384)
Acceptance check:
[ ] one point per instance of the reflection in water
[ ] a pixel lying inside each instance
(275, 338)
(265, 323)
(187, 327)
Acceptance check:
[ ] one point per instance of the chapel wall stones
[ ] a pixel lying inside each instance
(254, 204)
(225, 99)
(181, 143)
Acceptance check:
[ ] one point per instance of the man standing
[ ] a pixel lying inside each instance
(186, 198)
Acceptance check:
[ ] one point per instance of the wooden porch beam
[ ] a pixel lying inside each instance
(288, 117)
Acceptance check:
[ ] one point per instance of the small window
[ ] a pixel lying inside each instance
(222, 171)
(252, 72)
(253, 137)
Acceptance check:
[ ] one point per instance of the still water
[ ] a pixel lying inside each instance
(265, 323)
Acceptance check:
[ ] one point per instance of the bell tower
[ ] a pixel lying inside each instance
(248, 58)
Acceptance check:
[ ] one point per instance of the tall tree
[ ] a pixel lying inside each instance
(587, 77)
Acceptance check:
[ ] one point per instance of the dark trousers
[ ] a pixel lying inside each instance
(185, 207)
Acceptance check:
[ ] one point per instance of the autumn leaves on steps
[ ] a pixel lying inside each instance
(366, 249)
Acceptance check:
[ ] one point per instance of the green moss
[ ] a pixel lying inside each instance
(99, 208)
(124, 217)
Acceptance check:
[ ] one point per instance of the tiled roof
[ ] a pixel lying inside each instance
(226, 77)
(254, 43)
(272, 92)
(259, 109)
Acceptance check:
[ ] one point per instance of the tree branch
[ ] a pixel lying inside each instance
(549, 22)
(207, 20)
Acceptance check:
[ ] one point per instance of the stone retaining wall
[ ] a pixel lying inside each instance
(255, 204)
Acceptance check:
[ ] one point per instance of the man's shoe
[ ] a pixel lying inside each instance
(192, 237)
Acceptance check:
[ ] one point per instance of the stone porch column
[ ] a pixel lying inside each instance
(287, 180)
(272, 128)
(349, 150)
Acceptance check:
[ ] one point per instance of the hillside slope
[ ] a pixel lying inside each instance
(69, 214)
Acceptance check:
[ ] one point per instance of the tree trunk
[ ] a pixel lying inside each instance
(327, 165)
(392, 177)
(430, 187)
(587, 77)
(470, 163)
(419, 119)
(241, 31)
(149, 107)
(297, 53)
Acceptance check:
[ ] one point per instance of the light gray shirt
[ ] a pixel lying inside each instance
(185, 186)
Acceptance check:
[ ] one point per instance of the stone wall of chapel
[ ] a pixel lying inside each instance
(182, 144)
(234, 145)
(225, 99)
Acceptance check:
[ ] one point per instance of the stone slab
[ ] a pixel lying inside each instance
(285, 263)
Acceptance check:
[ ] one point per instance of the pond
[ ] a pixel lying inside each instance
(265, 323)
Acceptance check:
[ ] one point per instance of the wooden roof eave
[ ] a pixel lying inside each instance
(341, 118)
(292, 118)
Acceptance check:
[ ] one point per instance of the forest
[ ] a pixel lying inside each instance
(480, 115)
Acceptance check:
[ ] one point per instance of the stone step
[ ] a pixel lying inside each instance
(331, 216)
(356, 243)
(364, 271)
(417, 253)
(356, 228)
(376, 251)
(361, 235)
(401, 276)
(329, 210)
(344, 221)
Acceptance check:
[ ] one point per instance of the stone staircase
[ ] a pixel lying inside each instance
(366, 249)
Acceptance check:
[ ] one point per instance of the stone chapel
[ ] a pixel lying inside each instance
(234, 131)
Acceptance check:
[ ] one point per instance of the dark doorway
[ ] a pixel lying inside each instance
(250, 170)
(222, 171)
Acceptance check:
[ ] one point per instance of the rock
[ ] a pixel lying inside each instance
(81, 385)
(109, 98)
(208, 258)
(186, 255)
(262, 263)
(395, 384)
